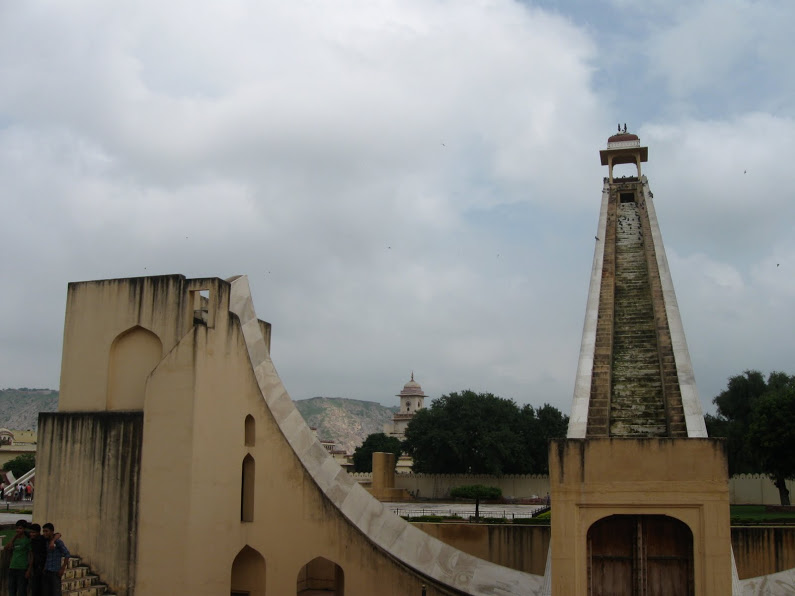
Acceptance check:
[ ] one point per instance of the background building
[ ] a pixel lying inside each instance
(412, 399)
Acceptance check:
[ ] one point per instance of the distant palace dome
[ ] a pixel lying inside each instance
(412, 399)
(411, 389)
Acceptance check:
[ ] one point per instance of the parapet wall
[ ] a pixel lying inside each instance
(756, 489)
(438, 486)
(519, 547)
(87, 479)
(763, 551)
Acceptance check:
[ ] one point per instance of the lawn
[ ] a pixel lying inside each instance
(756, 514)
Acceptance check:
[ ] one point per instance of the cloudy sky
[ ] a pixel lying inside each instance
(409, 185)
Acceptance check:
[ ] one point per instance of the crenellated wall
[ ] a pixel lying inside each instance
(755, 489)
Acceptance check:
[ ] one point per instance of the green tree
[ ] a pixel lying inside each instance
(476, 492)
(771, 433)
(468, 432)
(753, 415)
(21, 464)
(541, 425)
(479, 433)
(376, 442)
(734, 405)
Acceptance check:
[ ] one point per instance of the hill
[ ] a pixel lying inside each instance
(19, 408)
(346, 421)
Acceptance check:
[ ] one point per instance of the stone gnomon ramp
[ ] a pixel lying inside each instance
(397, 538)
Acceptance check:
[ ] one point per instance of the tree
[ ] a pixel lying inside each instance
(476, 492)
(376, 442)
(735, 404)
(541, 425)
(468, 432)
(480, 433)
(771, 433)
(21, 464)
(753, 415)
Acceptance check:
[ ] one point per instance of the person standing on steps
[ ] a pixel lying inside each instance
(20, 560)
(38, 556)
(56, 562)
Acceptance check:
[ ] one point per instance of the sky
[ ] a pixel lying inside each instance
(410, 185)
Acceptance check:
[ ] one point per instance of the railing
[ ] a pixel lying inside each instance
(489, 513)
(11, 488)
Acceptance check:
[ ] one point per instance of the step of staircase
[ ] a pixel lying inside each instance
(78, 580)
(637, 406)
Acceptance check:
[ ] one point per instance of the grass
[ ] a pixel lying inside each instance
(755, 514)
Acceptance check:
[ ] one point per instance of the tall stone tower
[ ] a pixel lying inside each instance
(412, 398)
(640, 494)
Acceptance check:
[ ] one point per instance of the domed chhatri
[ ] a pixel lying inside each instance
(623, 147)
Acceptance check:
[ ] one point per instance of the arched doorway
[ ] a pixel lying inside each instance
(133, 356)
(248, 573)
(321, 577)
(640, 555)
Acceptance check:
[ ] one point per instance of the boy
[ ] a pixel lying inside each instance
(18, 570)
(55, 563)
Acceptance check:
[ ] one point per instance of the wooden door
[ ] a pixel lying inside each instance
(640, 555)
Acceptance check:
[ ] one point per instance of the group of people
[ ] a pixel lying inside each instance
(38, 559)
(22, 492)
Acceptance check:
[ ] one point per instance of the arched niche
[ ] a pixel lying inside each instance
(249, 431)
(650, 555)
(321, 576)
(248, 573)
(247, 490)
(630, 169)
(133, 355)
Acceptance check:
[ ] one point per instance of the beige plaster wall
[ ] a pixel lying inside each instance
(99, 312)
(519, 547)
(9, 452)
(762, 551)
(87, 485)
(191, 485)
(214, 372)
(683, 478)
(743, 488)
(755, 489)
(438, 486)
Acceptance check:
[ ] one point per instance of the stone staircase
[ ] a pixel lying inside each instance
(79, 581)
(637, 404)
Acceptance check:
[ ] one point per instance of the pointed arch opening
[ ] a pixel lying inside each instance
(247, 490)
(321, 577)
(249, 431)
(649, 555)
(133, 356)
(248, 573)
